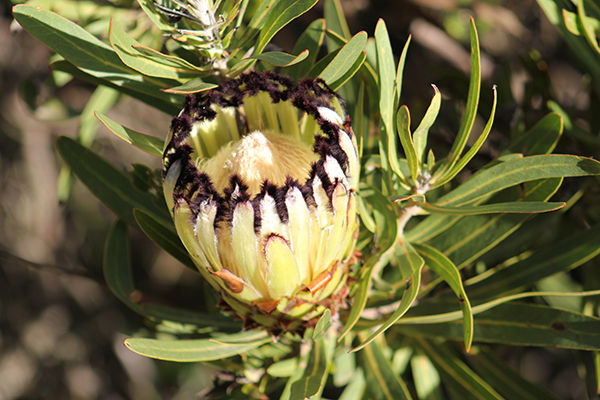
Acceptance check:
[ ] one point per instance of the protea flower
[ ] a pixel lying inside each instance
(260, 175)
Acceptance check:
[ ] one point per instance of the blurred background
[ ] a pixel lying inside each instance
(61, 331)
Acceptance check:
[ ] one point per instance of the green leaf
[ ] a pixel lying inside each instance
(69, 40)
(108, 184)
(540, 139)
(573, 23)
(281, 15)
(280, 59)
(517, 324)
(342, 80)
(472, 236)
(336, 19)
(403, 129)
(311, 40)
(356, 388)
(410, 264)
(131, 85)
(420, 135)
(564, 255)
(387, 229)
(588, 29)
(504, 379)
(441, 265)
(471, 107)
(517, 171)
(102, 100)
(456, 372)
(283, 369)
(580, 47)
(191, 86)
(323, 325)
(149, 144)
(426, 377)
(509, 207)
(201, 320)
(472, 151)
(148, 61)
(387, 94)
(345, 58)
(430, 227)
(164, 238)
(256, 24)
(315, 374)
(116, 265)
(84, 50)
(400, 73)
(385, 384)
(197, 350)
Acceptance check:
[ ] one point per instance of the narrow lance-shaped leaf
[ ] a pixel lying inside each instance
(315, 374)
(354, 68)
(387, 88)
(472, 151)
(147, 143)
(311, 40)
(589, 32)
(575, 26)
(515, 324)
(420, 134)
(281, 59)
(109, 184)
(132, 85)
(540, 139)
(164, 238)
(410, 264)
(386, 385)
(400, 73)
(504, 208)
(119, 279)
(387, 229)
(508, 382)
(517, 171)
(86, 52)
(102, 100)
(116, 264)
(441, 265)
(323, 325)
(474, 235)
(345, 58)
(403, 129)
(164, 67)
(471, 107)
(196, 350)
(336, 19)
(281, 15)
(565, 255)
(191, 86)
(243, 38)
(455, 371)
(426, 377)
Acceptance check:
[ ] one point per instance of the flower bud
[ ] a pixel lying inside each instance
(260, 176)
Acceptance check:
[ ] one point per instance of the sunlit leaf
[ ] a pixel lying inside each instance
(149, 144)
(441, 265)
(196, 350)
(512, 207)
(281, 15)
(280, 59)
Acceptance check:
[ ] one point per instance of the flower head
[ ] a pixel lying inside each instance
(260, 175)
